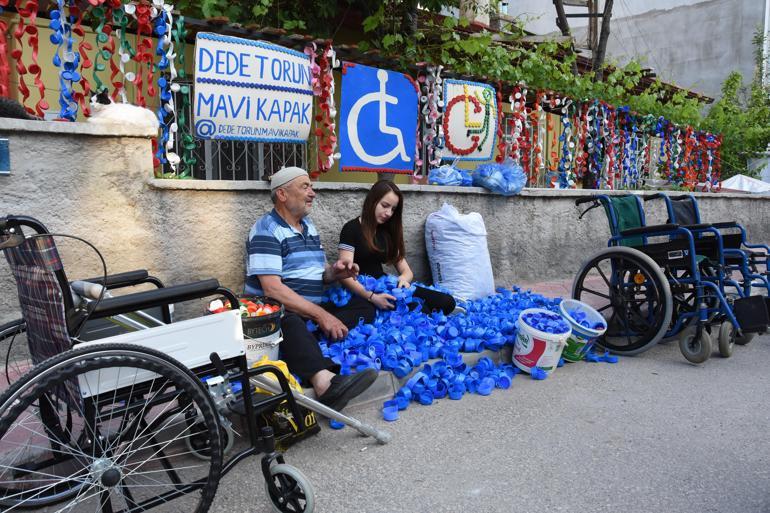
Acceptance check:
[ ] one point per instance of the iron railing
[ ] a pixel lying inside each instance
(228, 160)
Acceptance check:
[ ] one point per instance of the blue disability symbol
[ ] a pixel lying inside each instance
(382, 98)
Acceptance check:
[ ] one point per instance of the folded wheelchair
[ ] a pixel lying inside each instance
(747, 260)
(131, 419)
(655, 282)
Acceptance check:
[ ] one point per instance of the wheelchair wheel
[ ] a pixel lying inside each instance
(726, 339)
(629, 289)
(695, 349)
(686, 301)
(293, 492)
(101, 428)
(199, 444)
(14, 350)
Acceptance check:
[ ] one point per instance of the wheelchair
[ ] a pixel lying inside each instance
(654, 282)
(130, 420)
(746, 260)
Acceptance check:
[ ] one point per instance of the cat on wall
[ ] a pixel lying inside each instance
(10, 108)
(104, 110)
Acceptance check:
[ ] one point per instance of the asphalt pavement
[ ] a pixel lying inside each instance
(651, 433)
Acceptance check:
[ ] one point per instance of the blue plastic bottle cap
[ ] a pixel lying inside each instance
(456, 392)
(402, 402)
(426, 398)
(390, 413)
(335, 424)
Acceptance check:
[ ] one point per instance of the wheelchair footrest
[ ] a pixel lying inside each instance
(752, 313)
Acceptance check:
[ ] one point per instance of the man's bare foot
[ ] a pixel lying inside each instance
(321, 381)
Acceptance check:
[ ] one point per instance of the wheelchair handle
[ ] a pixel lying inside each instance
(585, 199)
(88, 289)
(595, 200)
(19, 221)
(218, 365)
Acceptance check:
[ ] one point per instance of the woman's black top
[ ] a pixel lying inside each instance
(352, 239)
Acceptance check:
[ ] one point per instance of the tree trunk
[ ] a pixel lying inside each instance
(561, 18)
(409, 18)
(604, 35)
(563, 24)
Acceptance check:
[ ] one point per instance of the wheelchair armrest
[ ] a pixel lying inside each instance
(645, 230)
(158, 297)
(728, 224)
(697, 227)
(119, 280)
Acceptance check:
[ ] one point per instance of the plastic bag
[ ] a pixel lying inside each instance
(507, 178)
(444, 175)
(449, 175)
(286, 429)
(458, 255)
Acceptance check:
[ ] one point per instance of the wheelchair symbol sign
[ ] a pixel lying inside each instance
(379, 120)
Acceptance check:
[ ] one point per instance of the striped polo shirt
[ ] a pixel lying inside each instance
(275, 248)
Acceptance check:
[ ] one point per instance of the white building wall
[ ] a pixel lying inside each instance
(692, 43)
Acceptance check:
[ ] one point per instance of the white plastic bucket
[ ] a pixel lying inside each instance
(268, 345)
(582, 338)
(535, 348)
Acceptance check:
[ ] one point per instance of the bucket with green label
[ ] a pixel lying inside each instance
(587, 326)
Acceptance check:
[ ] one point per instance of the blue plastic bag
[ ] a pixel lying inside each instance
(445, 175)
(450, 174)
(507, 178)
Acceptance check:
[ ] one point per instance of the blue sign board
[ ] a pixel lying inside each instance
(378, 121)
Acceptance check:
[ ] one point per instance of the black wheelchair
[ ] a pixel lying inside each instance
(655, 282)
(126, 420)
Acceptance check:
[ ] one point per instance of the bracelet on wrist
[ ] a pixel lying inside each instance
(370, 297)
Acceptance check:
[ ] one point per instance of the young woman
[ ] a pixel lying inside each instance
(376, 238)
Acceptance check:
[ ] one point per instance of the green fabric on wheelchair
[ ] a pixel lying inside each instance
(626, 210)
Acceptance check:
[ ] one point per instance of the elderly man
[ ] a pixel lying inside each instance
(285, 261)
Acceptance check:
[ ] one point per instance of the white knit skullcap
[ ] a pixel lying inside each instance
(285, 176)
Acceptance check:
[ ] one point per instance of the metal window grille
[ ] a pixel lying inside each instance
(229, 160)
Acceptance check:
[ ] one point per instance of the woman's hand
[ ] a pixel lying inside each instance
(403, 282)
(383, 301)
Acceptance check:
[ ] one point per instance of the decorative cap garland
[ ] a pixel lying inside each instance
(610, 144)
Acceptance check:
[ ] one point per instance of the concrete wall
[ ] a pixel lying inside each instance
(85, 182)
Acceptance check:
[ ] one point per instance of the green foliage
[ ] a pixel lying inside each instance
(389, 26)
(504, 57)
(742, 116)
(315, 16)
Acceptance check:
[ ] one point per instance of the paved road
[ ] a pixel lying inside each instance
(650, 434)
